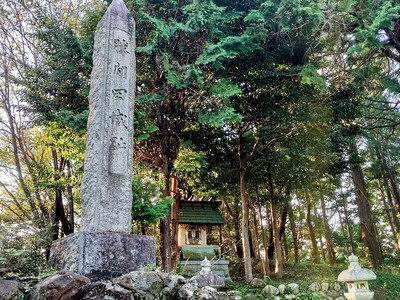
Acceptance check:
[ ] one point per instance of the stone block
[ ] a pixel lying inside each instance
(100, 255)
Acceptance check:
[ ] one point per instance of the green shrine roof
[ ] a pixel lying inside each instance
(200, 212)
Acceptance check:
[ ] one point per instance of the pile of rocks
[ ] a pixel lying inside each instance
(66, 285)
(325, 290)
(283, 291)
(331, 291)
(155, 285)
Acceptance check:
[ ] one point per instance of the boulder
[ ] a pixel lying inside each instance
(150, 285)
(314, 287)
(207, 280)
(281, 289)
(336, 286)
(61, 286)
(172, 283)
(207, 293)
(270, 290)
(324, 286)
(11, 289)
(332, 293)
(258, 283)
(187, 291)
(294, 287)
(106, 290)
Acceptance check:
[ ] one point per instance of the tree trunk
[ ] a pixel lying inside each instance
(281, 229)
(394, 229)
(265, 260)
(314, 246)
(245, 219)
(275, 230)
(322, 247)
(255, 238)
(165, 232)
(174, 222)
(235, 215)
(70, 197)
(393, 183)
(293, 229)
(59, 211)
(328, 235)
(369, 232)
(348, 224)
(285, 247)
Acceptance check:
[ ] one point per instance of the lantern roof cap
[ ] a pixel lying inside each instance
(355, 272)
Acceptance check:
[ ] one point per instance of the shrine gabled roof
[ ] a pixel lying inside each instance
(200, 212)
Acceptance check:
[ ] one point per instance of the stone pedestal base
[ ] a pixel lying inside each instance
(100, 255)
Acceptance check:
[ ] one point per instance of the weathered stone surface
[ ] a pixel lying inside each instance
(281, 288)
(171, 285)
(335, 286)
(271, 290)
(187, 291)
(64, 285)
(207, 280)
(294, 287)
(151, 285)
(100, 255)
(207, 293)
(106, 190)
(315, 287)
(106, 290)
(11, 289)
(257, 282)
(332, 293)
(324, 286)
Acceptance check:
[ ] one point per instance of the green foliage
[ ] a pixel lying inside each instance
(380, 18)
(58, 86)
(143, 128)
(310, 76)
(65, 139)
(149, 98)
(189, 160)
(386, 285)
(224, 89)
(220, 117)
(148, 206)
(20, 250)
(14, 262)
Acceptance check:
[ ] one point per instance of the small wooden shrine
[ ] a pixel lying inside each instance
(198, 222)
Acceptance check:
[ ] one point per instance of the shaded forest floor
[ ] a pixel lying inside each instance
(386, 286)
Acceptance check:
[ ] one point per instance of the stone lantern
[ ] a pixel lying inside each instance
(356, 279)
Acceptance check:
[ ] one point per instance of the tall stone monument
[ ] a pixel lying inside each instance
(104, 247)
